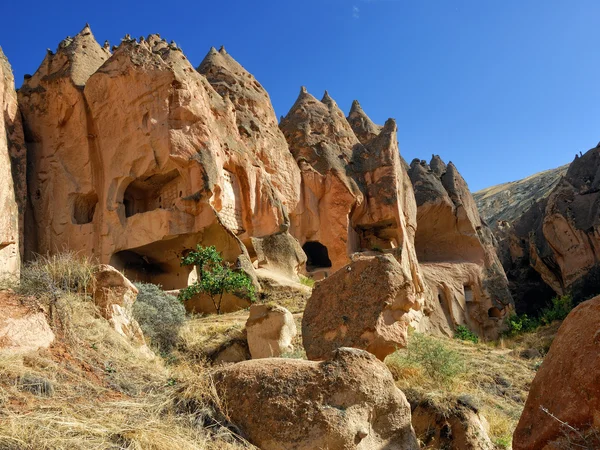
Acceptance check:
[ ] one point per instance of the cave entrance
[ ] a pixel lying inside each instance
(83, 207)
(317, 256)
(231, 212)
(150, 193)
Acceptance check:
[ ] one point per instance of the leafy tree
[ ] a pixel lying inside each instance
(215, 277)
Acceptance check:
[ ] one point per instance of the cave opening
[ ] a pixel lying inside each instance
(317, 256)
(83, 208)
(150, 193)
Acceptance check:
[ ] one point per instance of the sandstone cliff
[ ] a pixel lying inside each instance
(456, 249)
(12, 174)
(508, 201)
(556, 242)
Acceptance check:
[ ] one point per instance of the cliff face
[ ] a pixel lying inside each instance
(465, 280)
(507, 202)
(556, 242)
(12, 174)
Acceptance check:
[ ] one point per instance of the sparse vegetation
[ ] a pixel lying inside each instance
(160, 316)
(558, 310)
(464, 334)
(215, 277)
(307, 281)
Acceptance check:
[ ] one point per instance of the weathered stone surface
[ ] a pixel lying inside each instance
(567, 385)
(136, 158)
(466, 284)
(363, 305)
(22, 329)
(115, 295)
(559, 238)
(270, 330)
(12, 174)
(347, 402)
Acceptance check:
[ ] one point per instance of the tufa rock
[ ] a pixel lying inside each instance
(566, 386)
(270, 331)
(12, 173)
(362, 306)
(347, 402)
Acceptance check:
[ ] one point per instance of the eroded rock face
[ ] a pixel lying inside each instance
(115, 295)
(347, 402)
(270, 330)
(136, 158)
(466, 284)
(558, 239)
(567, 385)
(363, 305)
(12, 174)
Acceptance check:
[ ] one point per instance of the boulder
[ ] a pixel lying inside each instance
(566, 388)
(270, 331)
(347, 402)
(12, 174)
(362, 306)
(114, 295)
(22, 329)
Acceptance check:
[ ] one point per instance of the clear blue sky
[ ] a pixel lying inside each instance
(503, 88)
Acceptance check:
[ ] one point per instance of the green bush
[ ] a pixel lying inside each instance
(215, 277)
(558, 310)
(518, 324)
(439, 362)
(160, 316)
(306, 281)
(464, 334)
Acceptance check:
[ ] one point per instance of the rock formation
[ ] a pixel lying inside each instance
(12, 174)
(115, 295)
(136, 157)
(363, 305)
(270, 330)
(466, 284)
(556, 242)
(508, 201)
(347, 402)
(567, 386)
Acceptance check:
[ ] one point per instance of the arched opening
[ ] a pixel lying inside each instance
(468, 294)
(83, 208)
(154, 192)
(317, 256)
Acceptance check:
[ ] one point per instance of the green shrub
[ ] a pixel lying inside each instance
(518, 324)
(464, 334)
(160, 316)
(66, 272)
(439, 362)
(215, 277)
(558, 310)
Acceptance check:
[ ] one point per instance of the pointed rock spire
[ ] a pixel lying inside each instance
(437, 165)
(361, 124)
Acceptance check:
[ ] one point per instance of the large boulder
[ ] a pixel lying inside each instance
(362, 305)
(347, 402)
(12, 174)
(566, 388)
(270, 330)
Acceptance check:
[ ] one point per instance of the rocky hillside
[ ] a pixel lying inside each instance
(508, 201)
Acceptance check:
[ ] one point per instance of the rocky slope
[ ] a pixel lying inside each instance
(508, 201)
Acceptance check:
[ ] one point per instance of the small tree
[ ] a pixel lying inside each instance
(215, 277)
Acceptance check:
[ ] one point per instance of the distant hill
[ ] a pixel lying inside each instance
(508, 201)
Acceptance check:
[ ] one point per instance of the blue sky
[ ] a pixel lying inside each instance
(503, 88)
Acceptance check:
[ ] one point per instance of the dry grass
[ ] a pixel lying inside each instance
(99, 392)
(496, 381)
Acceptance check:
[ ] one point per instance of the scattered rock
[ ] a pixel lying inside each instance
(566, 387)
(270, 331)
(362, 306)
(347, 402)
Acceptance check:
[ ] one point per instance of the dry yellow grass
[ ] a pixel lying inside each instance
(495, 380)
